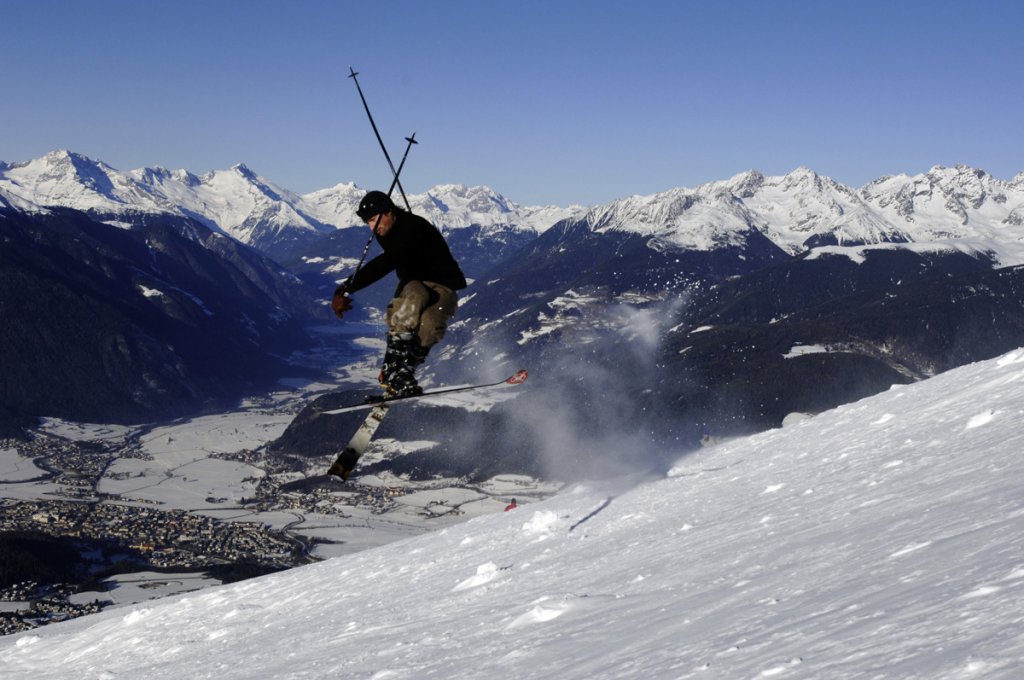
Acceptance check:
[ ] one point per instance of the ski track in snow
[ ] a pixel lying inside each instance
(884, 539)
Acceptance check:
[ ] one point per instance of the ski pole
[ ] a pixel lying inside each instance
(373, 230)
(352, 74)
(411, 140)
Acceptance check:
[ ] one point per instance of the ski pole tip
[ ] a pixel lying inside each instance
(518, 378)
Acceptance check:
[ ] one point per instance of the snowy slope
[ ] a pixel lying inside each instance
(685, 218)
(336, 205)
(880, 540)
(803, 204)
(244, 205)
(70, 180)
(959, 203)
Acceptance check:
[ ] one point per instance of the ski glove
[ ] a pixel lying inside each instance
(341, 302)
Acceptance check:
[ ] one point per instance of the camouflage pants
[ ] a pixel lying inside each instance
(423, 308)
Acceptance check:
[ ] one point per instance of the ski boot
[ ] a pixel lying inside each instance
(397, 375)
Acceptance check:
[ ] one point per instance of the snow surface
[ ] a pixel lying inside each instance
(803, 350)
(16, 468)
(140, 586)
(883, 539)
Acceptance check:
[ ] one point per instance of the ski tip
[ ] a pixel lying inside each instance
(518, 378)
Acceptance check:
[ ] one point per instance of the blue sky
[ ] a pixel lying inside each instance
(546, 102)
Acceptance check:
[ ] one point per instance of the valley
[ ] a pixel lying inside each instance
(198, 502)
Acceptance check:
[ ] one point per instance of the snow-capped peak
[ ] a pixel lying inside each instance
(481, 199)
(448, 206)
(243, 169)
(803, 209)
(790, 209)
(958, 203)
(238, 201)
(745, 184)
(66, 179)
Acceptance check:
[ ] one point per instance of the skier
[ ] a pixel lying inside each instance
(425, 299)
(511, 506)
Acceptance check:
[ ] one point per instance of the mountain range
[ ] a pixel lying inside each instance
(958, 202)
(657, 297)
(796, 212)
(241, 204)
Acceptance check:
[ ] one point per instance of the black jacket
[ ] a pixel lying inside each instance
(415, 250)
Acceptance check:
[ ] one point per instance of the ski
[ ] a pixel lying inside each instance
(518, 378)
(347, 459)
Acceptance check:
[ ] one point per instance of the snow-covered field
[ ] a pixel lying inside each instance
(145, 585)
(17, 468)
(884, 539)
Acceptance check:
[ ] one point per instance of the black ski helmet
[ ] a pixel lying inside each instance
(374, 203)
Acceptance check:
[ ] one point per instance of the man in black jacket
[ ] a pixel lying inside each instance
(425, 299)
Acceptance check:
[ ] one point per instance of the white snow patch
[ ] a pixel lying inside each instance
(150, 292)
(980, 419)
(803, 350)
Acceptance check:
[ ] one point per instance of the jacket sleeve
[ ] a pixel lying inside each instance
(372, 272)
